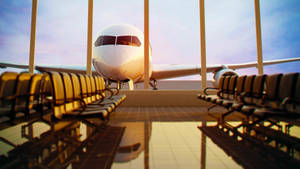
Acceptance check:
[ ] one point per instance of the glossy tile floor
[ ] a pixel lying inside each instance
(136, 137)
(168, 138)
(171, 145)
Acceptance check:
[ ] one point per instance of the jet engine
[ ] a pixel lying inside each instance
(222, 72)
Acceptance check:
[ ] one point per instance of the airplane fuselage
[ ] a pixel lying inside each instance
(118, 53)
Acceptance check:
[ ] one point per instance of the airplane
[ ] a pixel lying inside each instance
(118, 56)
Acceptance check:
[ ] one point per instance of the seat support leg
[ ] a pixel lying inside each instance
(211, 107)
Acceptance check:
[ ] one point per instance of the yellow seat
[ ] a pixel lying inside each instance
(78, 100)
(35, 91)
(22, 93)
(58, 95)
(45, 93)
(93, 88)
(83, 86)
(7, 89)
(98, 89)
(68, 89)
(67, 98)
(89, 89)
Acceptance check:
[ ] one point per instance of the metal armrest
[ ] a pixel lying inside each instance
(219, 94)
(285, 101)
(82, 102)
(208, 88)
(111, 92)
(114, 88)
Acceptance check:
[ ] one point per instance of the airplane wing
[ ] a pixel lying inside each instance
(70, 69)
(159, 72)
(172, 71)
(254, 64)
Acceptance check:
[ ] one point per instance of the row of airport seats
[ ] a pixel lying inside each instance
(268, 103)
(82, 96)
(20, 94)
(62, 94)
(261, 97)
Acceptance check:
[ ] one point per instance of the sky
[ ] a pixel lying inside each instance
(174, 31)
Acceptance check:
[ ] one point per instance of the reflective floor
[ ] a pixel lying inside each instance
(170, 145)
(135, 137)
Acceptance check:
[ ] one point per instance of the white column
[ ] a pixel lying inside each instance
(258, 38)
(32, 36)
(203, 43)
(146, 44)
(89, 39)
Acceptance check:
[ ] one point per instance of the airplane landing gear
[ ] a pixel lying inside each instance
(119, 85)
(154, 85)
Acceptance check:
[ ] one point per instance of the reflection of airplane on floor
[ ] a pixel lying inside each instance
(118, 55)
(134, 141)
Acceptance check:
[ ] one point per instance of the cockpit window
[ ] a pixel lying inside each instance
(124, 40)
(105, 40)
(121, 40)
(136, 41)
(128, 40)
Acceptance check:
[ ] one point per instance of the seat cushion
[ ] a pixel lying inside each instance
(237, 106)
(210, 97)
(227, 103)
(248, 109)
(96, 113)
(5, 110)
(201, 96)
(219, 101)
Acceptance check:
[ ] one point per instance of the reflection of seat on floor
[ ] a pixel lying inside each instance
(261, 98)
(247, 151)
(278, 139)
(62, 144)
(100, 151)
(58, 139)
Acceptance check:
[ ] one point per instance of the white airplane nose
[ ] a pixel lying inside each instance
(110, 61)
(114, 56)
(107, 70)
(119, 63)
